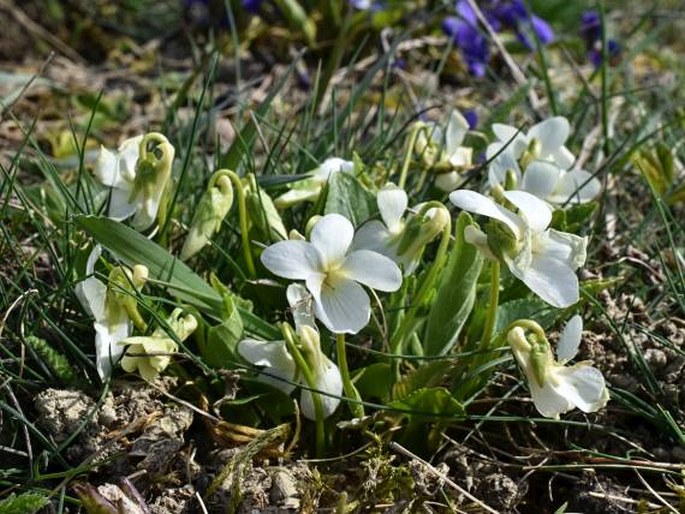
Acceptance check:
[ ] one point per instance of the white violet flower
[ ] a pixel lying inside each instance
(112, 318)
(308, 190)
(445, 151)
(333, 273)
(137, 174)
(279, 366)
(402, 241)
(538, 162)
(543, 258)
(554, 387)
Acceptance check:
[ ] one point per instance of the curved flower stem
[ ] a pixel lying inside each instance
(491, 316)
(309, 378)
(407, 324)
(407, 156)
(242, 215)
(351, 392)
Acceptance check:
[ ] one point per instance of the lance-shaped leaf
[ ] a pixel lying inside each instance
(133, 248)
(456, 293)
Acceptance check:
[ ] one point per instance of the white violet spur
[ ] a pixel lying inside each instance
(542, 258)
(333, 272)
(555, 387)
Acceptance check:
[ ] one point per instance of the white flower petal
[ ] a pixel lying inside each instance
(146, 213)
(343, 306)
(106, 169)
(570, 248)
(541, 179)
(505, 132)
(129, 151)
(536, 212)
(373, 270)
(297, 195)
(577, 186)
(107, 347)
(547, 400)
(461, 157)
(375, 236)
(497, 171)
(551, 133)
(95, 254)
(563, 157)
(479, 204)
(514, 140)
(279, 366)
(457, 127)
(92, 293)
(301, 305)
(552, 280)
(569, 341)
(329, 381)
(331, 165)
(582, 385)
(392, 202)
(332, 236)
(120, 207)
(296, 260)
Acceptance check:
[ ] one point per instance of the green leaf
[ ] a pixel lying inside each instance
(133, 248)
(526, 308)
(26, 503)
(574, 218)
(348, 197)
(657, 167)
(456, 293)
(430, 374)
(375, 380)
(428, 403)
(219, 347)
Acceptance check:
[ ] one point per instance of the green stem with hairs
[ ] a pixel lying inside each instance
(407, 156)
(351, 392)
(491, 315)
(242, 215)
(407, 325)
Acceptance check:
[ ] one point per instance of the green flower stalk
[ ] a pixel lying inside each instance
(210, 213)
(150, 355)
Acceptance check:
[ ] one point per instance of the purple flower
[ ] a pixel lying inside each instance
(472, 119)
(472, 44)
(252, 6)
(613, 49)
(590, 27)
(591, 30)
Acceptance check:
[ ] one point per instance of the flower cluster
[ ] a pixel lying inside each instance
(539, 162)
(465, 31)
(345, 258)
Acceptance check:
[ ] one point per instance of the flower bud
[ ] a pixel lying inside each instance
(264, 216)
(210, 213)
(419, 231)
